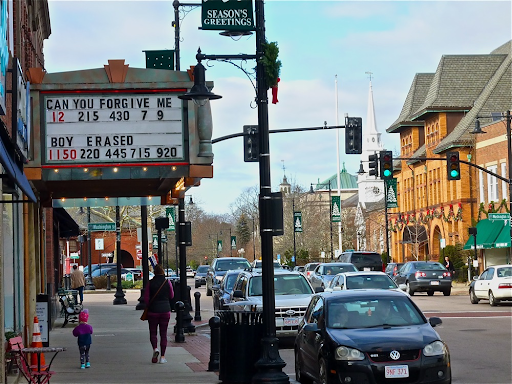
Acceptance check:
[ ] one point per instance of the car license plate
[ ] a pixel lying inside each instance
(434, 283)
(397, 371)
(289, 321)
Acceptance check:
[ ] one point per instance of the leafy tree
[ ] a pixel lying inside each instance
(243, 232)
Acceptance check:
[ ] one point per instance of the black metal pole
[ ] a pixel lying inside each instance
(119, 295)
(144, 261)
(270, 364)
(386, 224)
(184, 292)
(89, 285)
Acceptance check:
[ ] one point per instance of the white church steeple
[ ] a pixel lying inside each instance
(371, 189)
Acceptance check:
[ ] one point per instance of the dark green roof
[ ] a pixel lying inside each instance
(347, 181)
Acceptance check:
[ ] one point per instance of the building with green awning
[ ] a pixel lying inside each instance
(487, 232)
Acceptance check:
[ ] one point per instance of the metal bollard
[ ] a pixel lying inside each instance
(108, 283)
(179, 336)
(214, 323)
(197, 297)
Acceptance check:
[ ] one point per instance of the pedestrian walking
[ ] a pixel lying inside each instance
(157, 296)
(449, 265)
(78, 282)
(83, 332)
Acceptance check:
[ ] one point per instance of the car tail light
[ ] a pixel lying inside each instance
(420, 274)
(505, 285)
(447, 274)
(383, 268)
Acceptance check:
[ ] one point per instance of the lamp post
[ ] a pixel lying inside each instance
(270, 364)
(311, 190)
(119, 295)
(478, 130)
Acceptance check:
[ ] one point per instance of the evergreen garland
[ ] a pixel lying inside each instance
(271, 64)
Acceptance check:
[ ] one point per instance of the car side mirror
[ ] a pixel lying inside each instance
(475, 277)
(435, 321)
(238, 294)
(311, 327)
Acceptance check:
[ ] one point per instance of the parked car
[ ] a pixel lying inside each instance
(219, 267)
(112, 271)
(361, 280)
(257, 264)
(190, 272)
(364, 261)
(299, 268)
(200, 277)
(393, 268)
(222, 292)
(94, 267)
(292, 295)
(309, 268)
(494, 284)
(424, 276)
(325, 272)
(369, 336)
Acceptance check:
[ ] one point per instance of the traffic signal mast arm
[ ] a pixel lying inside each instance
(278, 131)
(460, 161)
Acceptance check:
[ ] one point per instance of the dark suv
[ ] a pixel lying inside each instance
(364, 261)
(219, 268)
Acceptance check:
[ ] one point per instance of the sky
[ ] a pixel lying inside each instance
(326, 49)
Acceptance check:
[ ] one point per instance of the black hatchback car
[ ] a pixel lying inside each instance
(424, 276)
(369, 336)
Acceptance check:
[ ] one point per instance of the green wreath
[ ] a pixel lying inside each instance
(271, 64)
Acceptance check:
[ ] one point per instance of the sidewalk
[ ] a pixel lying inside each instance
(121, 352)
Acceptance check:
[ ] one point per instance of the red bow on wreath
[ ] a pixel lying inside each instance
(274, 92)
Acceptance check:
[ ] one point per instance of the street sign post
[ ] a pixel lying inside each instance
(501, 216)
(95, 227)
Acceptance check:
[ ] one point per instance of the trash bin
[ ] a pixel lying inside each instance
(240, 345)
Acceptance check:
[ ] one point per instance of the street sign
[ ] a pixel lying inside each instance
(101, 227)
(99, 244)
(500, 216)
(74, 256)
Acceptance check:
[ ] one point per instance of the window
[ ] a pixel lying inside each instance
(492, 184)
(481, 185)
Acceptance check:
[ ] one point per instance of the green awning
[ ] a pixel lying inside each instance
(503, 239)
(487, 232)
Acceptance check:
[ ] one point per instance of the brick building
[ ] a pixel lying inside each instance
(437, 117)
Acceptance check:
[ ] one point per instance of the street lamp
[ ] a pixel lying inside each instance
(311, 190)
(478, 130)
(270, 364)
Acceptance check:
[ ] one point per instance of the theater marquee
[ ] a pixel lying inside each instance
(118, 127)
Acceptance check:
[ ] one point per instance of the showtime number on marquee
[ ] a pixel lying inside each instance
(121, 128)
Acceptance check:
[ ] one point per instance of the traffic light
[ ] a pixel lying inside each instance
(453, 165)
(386, 165)
(251, 144)
(373, 165)
(353, 135)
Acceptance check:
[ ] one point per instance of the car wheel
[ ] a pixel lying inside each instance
(447, 292)
(298, 370)
(408, 289)
(430, 293)
(323, 372)
(492, 300)
(197, 285)
(472, 297)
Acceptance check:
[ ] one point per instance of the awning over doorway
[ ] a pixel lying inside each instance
(486, 233)
(503, 239)
(15, 173)
(67, 226)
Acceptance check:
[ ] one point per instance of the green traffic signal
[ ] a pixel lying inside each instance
(454, 173)
(387, 173)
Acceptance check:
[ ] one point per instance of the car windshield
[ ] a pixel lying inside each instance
(335, 269)
(364, 258)
(311, 267)
(429, 266)
(202, 269)
(504, 272)
(370, 282)
(283, 285)
(350, 313)
(232, 264)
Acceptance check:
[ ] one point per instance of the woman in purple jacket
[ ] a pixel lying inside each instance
(157, 296)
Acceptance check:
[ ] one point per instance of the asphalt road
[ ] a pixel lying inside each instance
(479, 337)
